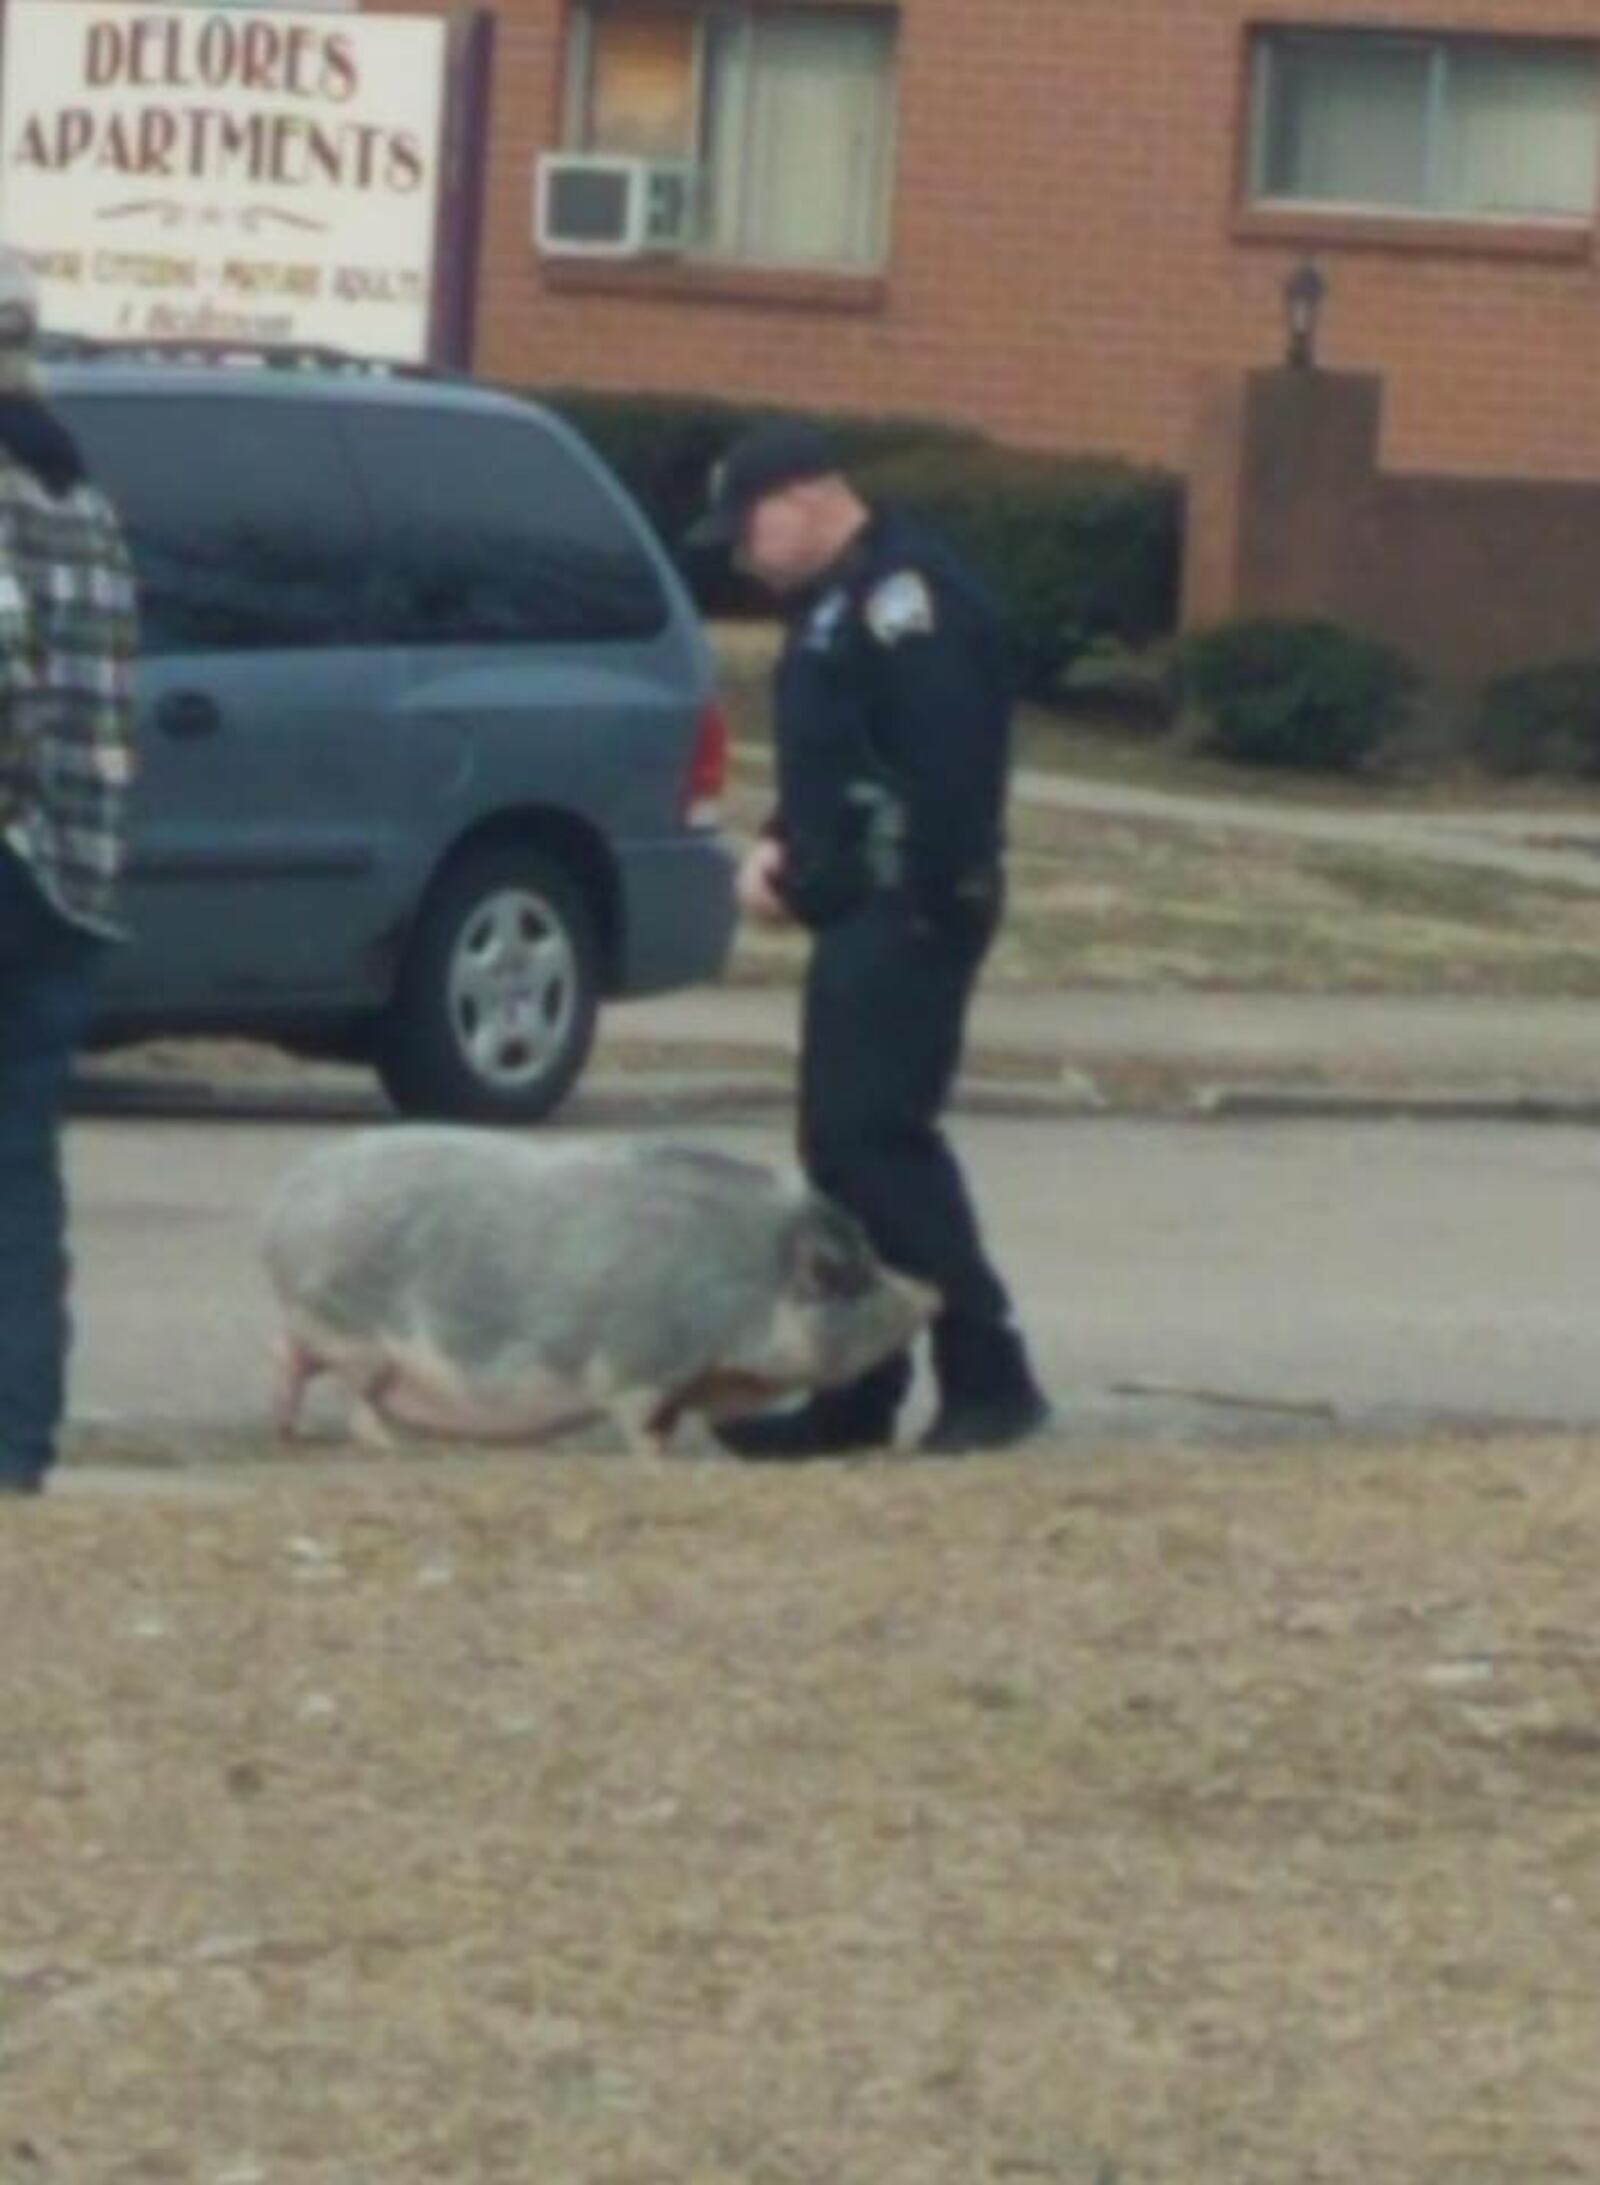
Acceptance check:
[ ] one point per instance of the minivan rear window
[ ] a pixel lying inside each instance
(490, 530)
(244, 519)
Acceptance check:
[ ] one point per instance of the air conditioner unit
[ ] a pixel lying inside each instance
(596, 205)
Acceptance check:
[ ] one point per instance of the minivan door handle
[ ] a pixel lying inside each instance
(188, 713)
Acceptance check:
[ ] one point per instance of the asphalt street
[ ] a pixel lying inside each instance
(1216, 1277)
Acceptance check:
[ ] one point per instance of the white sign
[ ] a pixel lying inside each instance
(224, 175)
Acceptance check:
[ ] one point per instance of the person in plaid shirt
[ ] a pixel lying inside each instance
(67, 642)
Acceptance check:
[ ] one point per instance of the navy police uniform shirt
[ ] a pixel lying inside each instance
(892, 731)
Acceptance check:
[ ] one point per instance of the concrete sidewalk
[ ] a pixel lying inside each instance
(1558, 847)
(1179, 1050)
(1030, 1053)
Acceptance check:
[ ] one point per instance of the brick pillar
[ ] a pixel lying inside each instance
(1281, 514)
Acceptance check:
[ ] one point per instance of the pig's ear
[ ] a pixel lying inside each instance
(830, 1259)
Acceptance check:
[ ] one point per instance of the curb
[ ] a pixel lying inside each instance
(600, 1100)
(1291, 1103)
(622, 1097)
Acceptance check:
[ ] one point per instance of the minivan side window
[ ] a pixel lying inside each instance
(491, 531)
(243, 517)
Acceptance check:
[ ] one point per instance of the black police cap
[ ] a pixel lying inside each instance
(779, 452)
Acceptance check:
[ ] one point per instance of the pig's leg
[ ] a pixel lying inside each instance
(644, 1421)
(714, 1396)
(368, 1392)
(368, 1425)
(294, 1366)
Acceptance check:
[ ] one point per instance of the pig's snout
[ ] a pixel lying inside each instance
(920, 1299)
(842, 1340)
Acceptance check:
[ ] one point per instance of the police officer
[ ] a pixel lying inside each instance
(892, 733)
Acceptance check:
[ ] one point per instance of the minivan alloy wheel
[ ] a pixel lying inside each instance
(493, 1015)
(513, 988)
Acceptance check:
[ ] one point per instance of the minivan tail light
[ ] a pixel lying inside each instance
(707, 777)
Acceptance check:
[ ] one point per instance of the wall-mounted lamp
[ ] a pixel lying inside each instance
(1303, 292)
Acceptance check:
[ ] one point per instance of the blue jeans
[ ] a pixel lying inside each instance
(47, 980)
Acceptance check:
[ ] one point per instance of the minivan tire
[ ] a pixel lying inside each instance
(493, 1015)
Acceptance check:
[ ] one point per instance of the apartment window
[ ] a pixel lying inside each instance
(1453, 128)
(786, 111)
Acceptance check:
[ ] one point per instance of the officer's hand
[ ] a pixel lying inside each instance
(757, 885)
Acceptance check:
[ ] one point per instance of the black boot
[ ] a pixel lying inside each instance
(23, 1474)
(988, 1397)
(833, 1423)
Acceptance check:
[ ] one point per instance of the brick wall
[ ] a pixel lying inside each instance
(1066, 258)
(1294, 514)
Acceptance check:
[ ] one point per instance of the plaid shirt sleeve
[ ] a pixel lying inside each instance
(17, 676)
(68, 635)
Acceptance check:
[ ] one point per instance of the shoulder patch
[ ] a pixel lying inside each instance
(901, 606)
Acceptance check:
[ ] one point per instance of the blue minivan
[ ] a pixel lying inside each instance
(430, 754)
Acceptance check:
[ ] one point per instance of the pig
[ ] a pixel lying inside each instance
(467, 1283)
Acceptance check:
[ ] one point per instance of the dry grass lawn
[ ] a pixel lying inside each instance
(1136, 904)
(1150, 1818)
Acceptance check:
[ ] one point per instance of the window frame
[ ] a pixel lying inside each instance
(700, 263)
(1261, 212)
(578, 70)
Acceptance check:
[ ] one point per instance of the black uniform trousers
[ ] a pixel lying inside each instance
(884, 1018)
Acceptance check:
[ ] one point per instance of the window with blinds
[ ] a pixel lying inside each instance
(1462, 128)
(787, 112)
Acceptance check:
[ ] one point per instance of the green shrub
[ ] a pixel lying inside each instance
(663, 447)
(1078, 551)
(1280, 692)
(1541, 720)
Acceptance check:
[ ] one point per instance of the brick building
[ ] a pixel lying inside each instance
(1051, 218)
